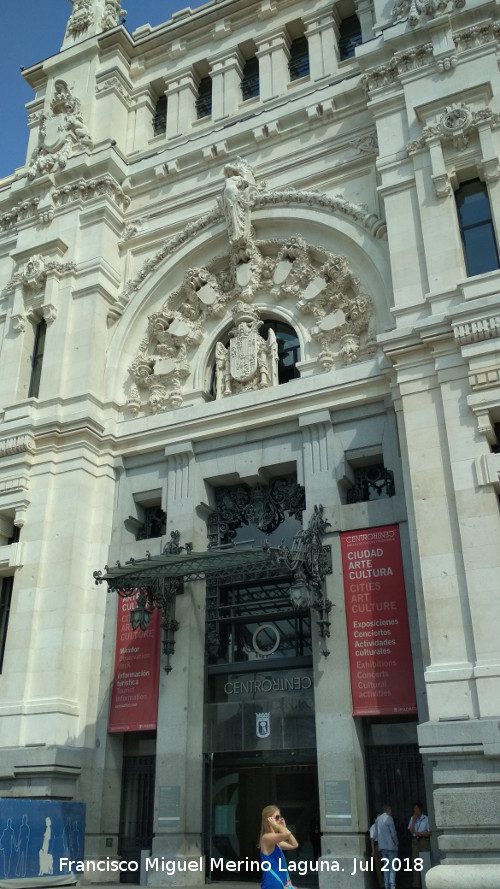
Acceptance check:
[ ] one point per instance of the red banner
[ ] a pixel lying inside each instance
(134, 701)
(377, 623)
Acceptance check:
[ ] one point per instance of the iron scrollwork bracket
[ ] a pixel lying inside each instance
(309, 561)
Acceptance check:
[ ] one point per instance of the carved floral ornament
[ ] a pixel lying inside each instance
(318, 286)
(417, 11)
(59, 131)
(33, 275)
(455, 126)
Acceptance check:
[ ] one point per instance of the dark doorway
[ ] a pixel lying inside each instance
(240, 787)
(395, 775)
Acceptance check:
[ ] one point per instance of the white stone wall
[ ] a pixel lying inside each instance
(103, 228)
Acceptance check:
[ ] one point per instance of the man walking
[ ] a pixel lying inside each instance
(386, 837)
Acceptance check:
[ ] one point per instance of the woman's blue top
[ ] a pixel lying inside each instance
(278, 864)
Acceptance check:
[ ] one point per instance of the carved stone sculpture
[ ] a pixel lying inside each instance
(237, 200)
(249, 361)
(319, 287)
(59, 131)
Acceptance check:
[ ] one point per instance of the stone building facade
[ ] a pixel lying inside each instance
(249, 268)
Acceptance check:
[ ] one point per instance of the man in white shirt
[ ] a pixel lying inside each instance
(419, 829)
(386, 837)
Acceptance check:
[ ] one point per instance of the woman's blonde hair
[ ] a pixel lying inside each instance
(267, 811)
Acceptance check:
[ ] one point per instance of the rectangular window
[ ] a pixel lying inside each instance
(204, 100)
(37, 359)
(250, 86)
(6, 584)
(476, 228)
(298, 64)
(160, 118)
(349, 37)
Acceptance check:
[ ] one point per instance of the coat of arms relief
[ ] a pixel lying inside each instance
(255, 280)
(59, 131)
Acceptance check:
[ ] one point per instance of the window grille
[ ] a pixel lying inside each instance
(160, 118)
(371, 483)
(349, 37)
(298, 64)
(154, 525)
(476, 228)
(250, 85)
(204, 100)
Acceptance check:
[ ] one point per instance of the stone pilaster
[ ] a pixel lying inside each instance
(322, 38)
(273, 55)
(226, 75)
(179, 756)
(181, 108)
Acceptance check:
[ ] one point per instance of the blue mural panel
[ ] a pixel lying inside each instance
(36, 834)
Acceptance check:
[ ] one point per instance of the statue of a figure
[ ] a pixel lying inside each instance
(237, 199)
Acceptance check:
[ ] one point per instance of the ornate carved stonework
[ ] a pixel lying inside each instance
(246, 254)
(21, 211)
(80, 18)
(58, 133)
(319, 287)
(89, 12)
(112, 14)
(455, 126)
(17, 444)
(421, 10)
(87, 189)
(249, 361)
(33, 276)
(238, 197)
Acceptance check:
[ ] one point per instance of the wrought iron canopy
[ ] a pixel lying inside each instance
(226, 564)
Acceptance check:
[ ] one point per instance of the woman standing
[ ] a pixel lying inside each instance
(274, 837)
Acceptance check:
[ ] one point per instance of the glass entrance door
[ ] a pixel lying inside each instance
(239, 790)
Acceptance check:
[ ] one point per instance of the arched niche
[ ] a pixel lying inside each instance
(299, 266)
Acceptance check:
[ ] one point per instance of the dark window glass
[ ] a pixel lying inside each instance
(299, 58)
(5, 599)
(250, 79)
(288, 349)
(204, 100)
(37, 359)
(349, 37)
(476, 228)
(160, 118)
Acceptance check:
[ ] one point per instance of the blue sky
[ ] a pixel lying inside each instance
(31, 31)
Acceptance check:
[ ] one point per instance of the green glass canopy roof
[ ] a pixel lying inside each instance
(229, 565)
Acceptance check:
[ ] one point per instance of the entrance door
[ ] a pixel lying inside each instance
(239, 791)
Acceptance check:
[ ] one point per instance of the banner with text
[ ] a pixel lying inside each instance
(377, 623)
(134, 700)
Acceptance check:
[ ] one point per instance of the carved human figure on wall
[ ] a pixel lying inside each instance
(237, 199)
